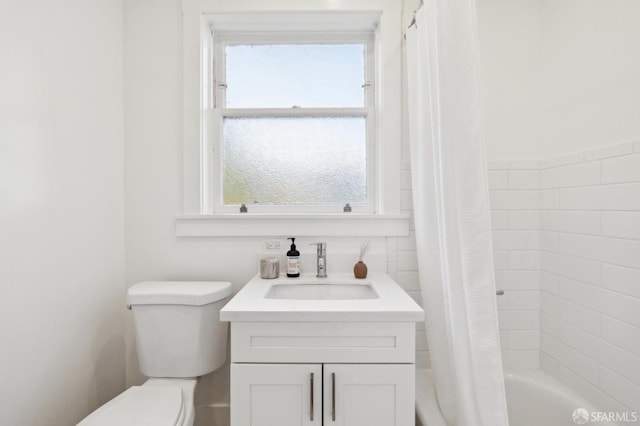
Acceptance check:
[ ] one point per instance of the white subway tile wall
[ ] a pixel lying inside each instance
(515, 207)
(590, 270)
(567, 255)
(515, 218)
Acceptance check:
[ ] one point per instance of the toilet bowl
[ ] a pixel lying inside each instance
(179, 337)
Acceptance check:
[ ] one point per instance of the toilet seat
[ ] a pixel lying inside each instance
(141, 406)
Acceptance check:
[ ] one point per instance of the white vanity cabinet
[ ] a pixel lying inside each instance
(322, 361)
(322, 394)
(276, 394)
(369, 394)
(322, 374)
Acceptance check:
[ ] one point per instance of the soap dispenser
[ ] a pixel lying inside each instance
(293, 260)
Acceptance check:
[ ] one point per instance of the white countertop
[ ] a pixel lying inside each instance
(394, 304)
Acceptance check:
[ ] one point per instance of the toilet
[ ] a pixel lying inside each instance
(179, 337)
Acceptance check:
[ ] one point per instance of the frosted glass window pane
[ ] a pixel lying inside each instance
(295, 161)
(305, 75)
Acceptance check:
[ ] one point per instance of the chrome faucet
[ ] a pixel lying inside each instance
(321, 260)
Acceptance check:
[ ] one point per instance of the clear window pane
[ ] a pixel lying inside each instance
(304, 75)
(295, 161)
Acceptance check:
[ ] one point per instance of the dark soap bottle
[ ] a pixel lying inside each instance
(293, 260)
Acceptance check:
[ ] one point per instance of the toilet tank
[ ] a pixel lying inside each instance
(177, 326)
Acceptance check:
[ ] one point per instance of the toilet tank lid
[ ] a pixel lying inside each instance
(178, 292)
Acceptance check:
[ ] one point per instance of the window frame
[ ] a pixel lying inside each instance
(214, 164)
(198, 17)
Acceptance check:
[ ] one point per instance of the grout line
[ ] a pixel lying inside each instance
(590, 235)
(591, 210)
(607, 289)
(593, 260)
(593, 185)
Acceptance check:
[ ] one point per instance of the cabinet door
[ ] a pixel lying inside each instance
(276, 394)
(369, 395)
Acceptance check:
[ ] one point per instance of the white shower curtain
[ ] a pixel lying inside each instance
(452, 218)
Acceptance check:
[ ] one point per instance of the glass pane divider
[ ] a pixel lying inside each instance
(294, 112)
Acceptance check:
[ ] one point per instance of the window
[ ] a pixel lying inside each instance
(351, 135)
(293, 112)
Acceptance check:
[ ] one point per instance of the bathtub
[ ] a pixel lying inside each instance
(533, 399)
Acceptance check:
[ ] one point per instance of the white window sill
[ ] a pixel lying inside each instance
(302, 225)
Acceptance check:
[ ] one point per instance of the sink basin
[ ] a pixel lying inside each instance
(337, 298)
(326, 291)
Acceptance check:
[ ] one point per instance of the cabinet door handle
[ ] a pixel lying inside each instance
(311, 397)
(333, 397)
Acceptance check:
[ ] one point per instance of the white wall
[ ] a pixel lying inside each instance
(590, 298)
(510, 39)
(591, 68)
(515, 202)
(61, 209)
(567, 255)
(510, 57)
(559, 76)
(590, 199)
